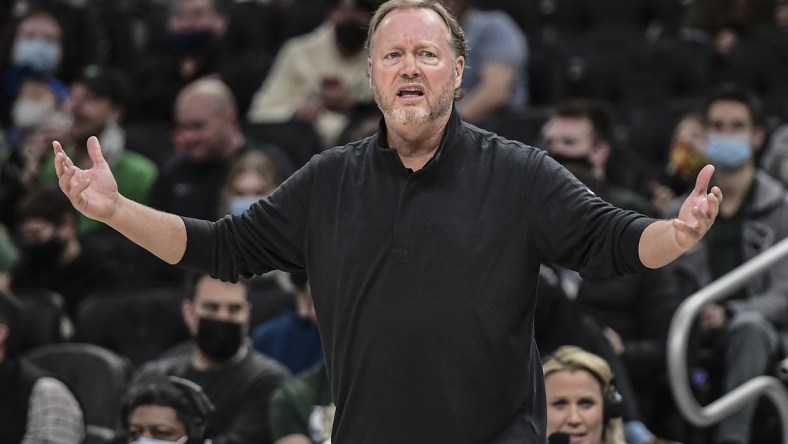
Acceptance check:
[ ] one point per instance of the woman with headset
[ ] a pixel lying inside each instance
(166, 410)
(583, 406)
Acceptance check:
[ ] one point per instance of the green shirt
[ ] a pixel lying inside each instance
(293, 402)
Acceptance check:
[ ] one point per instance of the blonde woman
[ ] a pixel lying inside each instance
(582, 401)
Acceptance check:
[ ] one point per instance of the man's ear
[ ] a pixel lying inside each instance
(600, 153)
(187, 311)
(68, 226)
(758, 137)
(459, 67)
(4, 332)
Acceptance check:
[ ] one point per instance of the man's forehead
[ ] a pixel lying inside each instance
(413, 24)
(568, 124)
(218, 292)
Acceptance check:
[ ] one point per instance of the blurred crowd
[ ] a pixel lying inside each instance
(205, 106)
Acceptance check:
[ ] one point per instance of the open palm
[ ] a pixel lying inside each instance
(94, 191)
(698, 211)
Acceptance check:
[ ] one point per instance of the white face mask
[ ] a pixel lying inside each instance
(28, 114)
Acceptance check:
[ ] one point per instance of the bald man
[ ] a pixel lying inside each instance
(208, 139)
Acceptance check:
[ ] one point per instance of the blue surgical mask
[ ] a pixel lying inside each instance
(158, 441)
(238, 205)
(728, 152)
(38, 54)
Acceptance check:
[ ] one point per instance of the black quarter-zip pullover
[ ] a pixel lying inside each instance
(424, 282)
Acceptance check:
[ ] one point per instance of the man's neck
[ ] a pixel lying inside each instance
(202, 362)
(416, 144)
(734, 185)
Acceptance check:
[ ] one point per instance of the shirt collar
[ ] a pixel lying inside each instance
(450, 135)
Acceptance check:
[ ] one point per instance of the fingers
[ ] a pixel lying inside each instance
(94, 151)
(703, 179)
(60, 156)
(65, 173)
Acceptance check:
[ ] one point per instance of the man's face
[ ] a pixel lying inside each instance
(195, 15)
(40, 27)
(413, 72)
(37, 231)
(217, 300)
(731, 118)
(568, 137)
(90, 111)
(201, 128)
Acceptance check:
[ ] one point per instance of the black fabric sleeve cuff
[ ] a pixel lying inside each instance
(199, 250)
(631, 241)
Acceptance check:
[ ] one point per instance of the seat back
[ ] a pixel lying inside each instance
(139, 324)
(43, 317)
(98, 377)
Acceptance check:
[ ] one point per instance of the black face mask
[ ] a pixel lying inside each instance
(193, 42)
(350, 36)
(573, 163)
(219, 340)
(43, 254)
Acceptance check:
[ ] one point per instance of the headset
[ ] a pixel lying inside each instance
(613, 403)
(192, 405)
(197, 420)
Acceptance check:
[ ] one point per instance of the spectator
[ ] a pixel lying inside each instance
(195, 46)
(208, 140)
(34, 407)
(495, 82)
(562, 321)
(301, 409)
(96, 105)
(251, 178)
(635, 312)
(293, 338)
(321, 77)
(579, 135)
(685, 159)
(752, 218)
(582, 400)
(53, 256)
(8, 257)
(238, 380)
(37, 117)
(166, 409)
(38, 41)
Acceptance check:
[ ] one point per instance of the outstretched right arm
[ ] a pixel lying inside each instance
(94, 193)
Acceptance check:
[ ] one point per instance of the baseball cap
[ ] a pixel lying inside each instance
(106, 82)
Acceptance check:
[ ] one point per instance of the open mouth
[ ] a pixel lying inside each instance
(410, 91)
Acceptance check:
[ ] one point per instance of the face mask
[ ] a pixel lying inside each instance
(28, 114)
(159, 441)
(219, 340)
(573, 163)
(728, 152)
(240, 204)
(43, 254)
(193, 42)
(40, 55)
(350, 36)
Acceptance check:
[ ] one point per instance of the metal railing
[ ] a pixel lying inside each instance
(678, 339)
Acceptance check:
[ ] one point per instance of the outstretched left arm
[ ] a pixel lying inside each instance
(665, 240)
